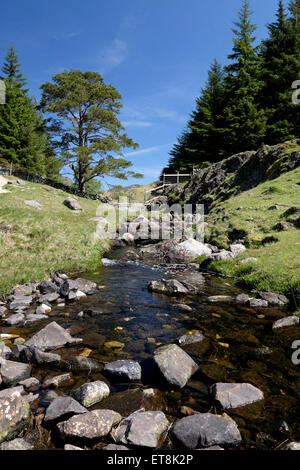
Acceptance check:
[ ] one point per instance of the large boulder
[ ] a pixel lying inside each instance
(53, 336)
(89, 426)
(233, 395)
(13, 372)
(189, 250)
(14, 416)
(63, 408)
(72, 204)
(91, 393)
(176, 365)
(127, 369)
(205, 430)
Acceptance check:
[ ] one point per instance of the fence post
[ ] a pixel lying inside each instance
(177, 177)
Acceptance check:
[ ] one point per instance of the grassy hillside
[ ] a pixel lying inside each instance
(134, 193)
(35, 243)
(248, 216)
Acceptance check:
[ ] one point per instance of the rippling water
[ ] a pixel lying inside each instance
(126, 312)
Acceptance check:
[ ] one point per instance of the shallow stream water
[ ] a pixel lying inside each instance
(239, 346)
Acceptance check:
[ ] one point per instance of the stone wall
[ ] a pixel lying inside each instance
(24, 175)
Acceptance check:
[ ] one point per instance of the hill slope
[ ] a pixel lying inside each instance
(35, 243)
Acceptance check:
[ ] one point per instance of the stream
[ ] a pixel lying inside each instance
(239, 346)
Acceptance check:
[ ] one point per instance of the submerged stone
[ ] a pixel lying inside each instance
(234, 395)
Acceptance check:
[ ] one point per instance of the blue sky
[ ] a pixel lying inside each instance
(156, 53)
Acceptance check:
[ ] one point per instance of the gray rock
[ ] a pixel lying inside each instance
(223, 255)
(52, 336)
(16, 319)
(256, 303)
(13, 372)
(147, 428)
(42, 309)
(83, 363)
(205, 430)
(12, 391)
(286, 321)
(14, 416)
(72, 204)
(34, 204)
(170, 287)
(212, 448)
(242, 298)
(237, 249)
(47, 287)
(30, 398)
(233, 395)
(176, 365)
(5, 351)
(115, 447)
(3, 311)
(16, 444)
(89, 426)
(34, 317)
(70, 447)
(189, 339)
(273, 299)
(41, 357)
(91, 393)
(80, 284)
(130, 370)
(24, 289)
(30, 383)
(191, 249)
(63, 408)
(52, 297)
(120, 433)
(58, 380)
(128, 238)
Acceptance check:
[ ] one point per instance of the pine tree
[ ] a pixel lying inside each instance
(201, 142)
(11, 69)
(244, 126)
(23, 140)
(280, 68)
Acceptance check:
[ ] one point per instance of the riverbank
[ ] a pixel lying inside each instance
(38, 239)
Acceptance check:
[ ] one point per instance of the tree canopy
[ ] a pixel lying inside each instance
(248, 102)
(86, 129)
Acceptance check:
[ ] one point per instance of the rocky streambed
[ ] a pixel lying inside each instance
(145, 356)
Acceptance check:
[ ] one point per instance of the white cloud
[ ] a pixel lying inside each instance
(136, 123)
(154, 149)
(113, 56)
(149, 172)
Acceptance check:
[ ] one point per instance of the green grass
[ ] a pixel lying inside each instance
(278, 265)
(41, 242)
